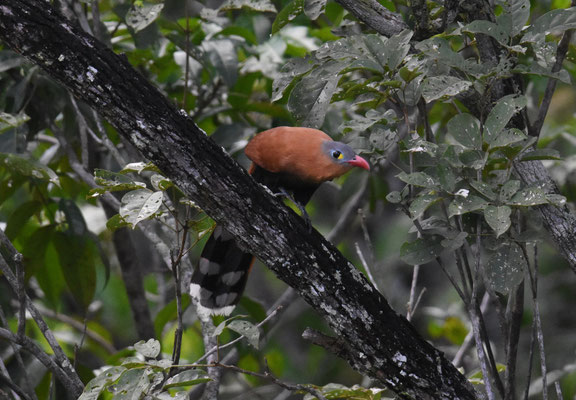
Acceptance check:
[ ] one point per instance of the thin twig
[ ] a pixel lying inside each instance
(75, 384)
(412, 303)
(268, 376)
(61, 372)
(233, 342)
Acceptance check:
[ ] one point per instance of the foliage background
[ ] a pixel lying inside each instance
(233, 85)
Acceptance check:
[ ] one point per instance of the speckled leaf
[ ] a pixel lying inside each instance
(557, 20)
(421, 204)
(132, 384)
(498, 32)
(287, 14)
(394, 197)
(139, 17)
(101, 382)
(8, 121)
(446, 176)
(502, 112)
(505, 268)
(518, 12)
(248, 330)
(498, 218)
(313, 8)
(465, 128)
(484, 189)
(255, 5)
(462, 205)
(507, 137)
(417, 179)
(436, 87)
(422, 250)
(149, 349)
(509, 189)
(311, 97)
(139, 205)
(531, 196)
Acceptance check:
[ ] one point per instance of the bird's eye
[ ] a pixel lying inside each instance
(337, 155)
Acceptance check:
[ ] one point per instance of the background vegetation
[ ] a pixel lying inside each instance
(445, 226)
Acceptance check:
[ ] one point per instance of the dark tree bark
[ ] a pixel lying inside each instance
(379, 342)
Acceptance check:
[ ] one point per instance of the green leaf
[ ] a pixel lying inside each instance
(255, 5)
(222, 55)
(507, 137)
(518, 11)
(287, 14)
(443, 86)
(313, 8)
(9, 121)
(541, 154)
(311, 97)
(20, 216)
(509, 189)
(289, 74)
(74, 218)
(421, 204)
(446, 176)
(78, 256)
(149, 349)
(248, 330)
(455, 242)
(465, 128)
(422, 250)
(555, 20)
(116, 222)
(113, 181)
(530, 196)
(101, 382)
(141, 204)
(132, 384)
(499, 116)
(139, 17)
(498, 218)
(187, 378)
(465, 204)
(138, 167)
(475, 159)
(505, 268)
(25, 167)
(484, 189)
(421, 179)
(394, 197)
(488, 28)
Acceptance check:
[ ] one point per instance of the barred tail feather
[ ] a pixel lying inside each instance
(220, 277)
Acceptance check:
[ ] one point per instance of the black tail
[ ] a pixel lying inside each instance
(219, 280)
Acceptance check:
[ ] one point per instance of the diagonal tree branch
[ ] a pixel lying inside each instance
(382, 344)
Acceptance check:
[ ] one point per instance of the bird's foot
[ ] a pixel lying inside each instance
(284, 193)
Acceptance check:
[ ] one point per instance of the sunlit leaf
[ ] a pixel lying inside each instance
(139, 205)
(313, 8)
(139, 17)
(149, 349)
(255, 5)
(531, 196)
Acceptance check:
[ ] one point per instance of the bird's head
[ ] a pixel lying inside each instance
(344, 155)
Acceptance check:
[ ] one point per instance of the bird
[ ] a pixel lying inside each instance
(292, 161)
